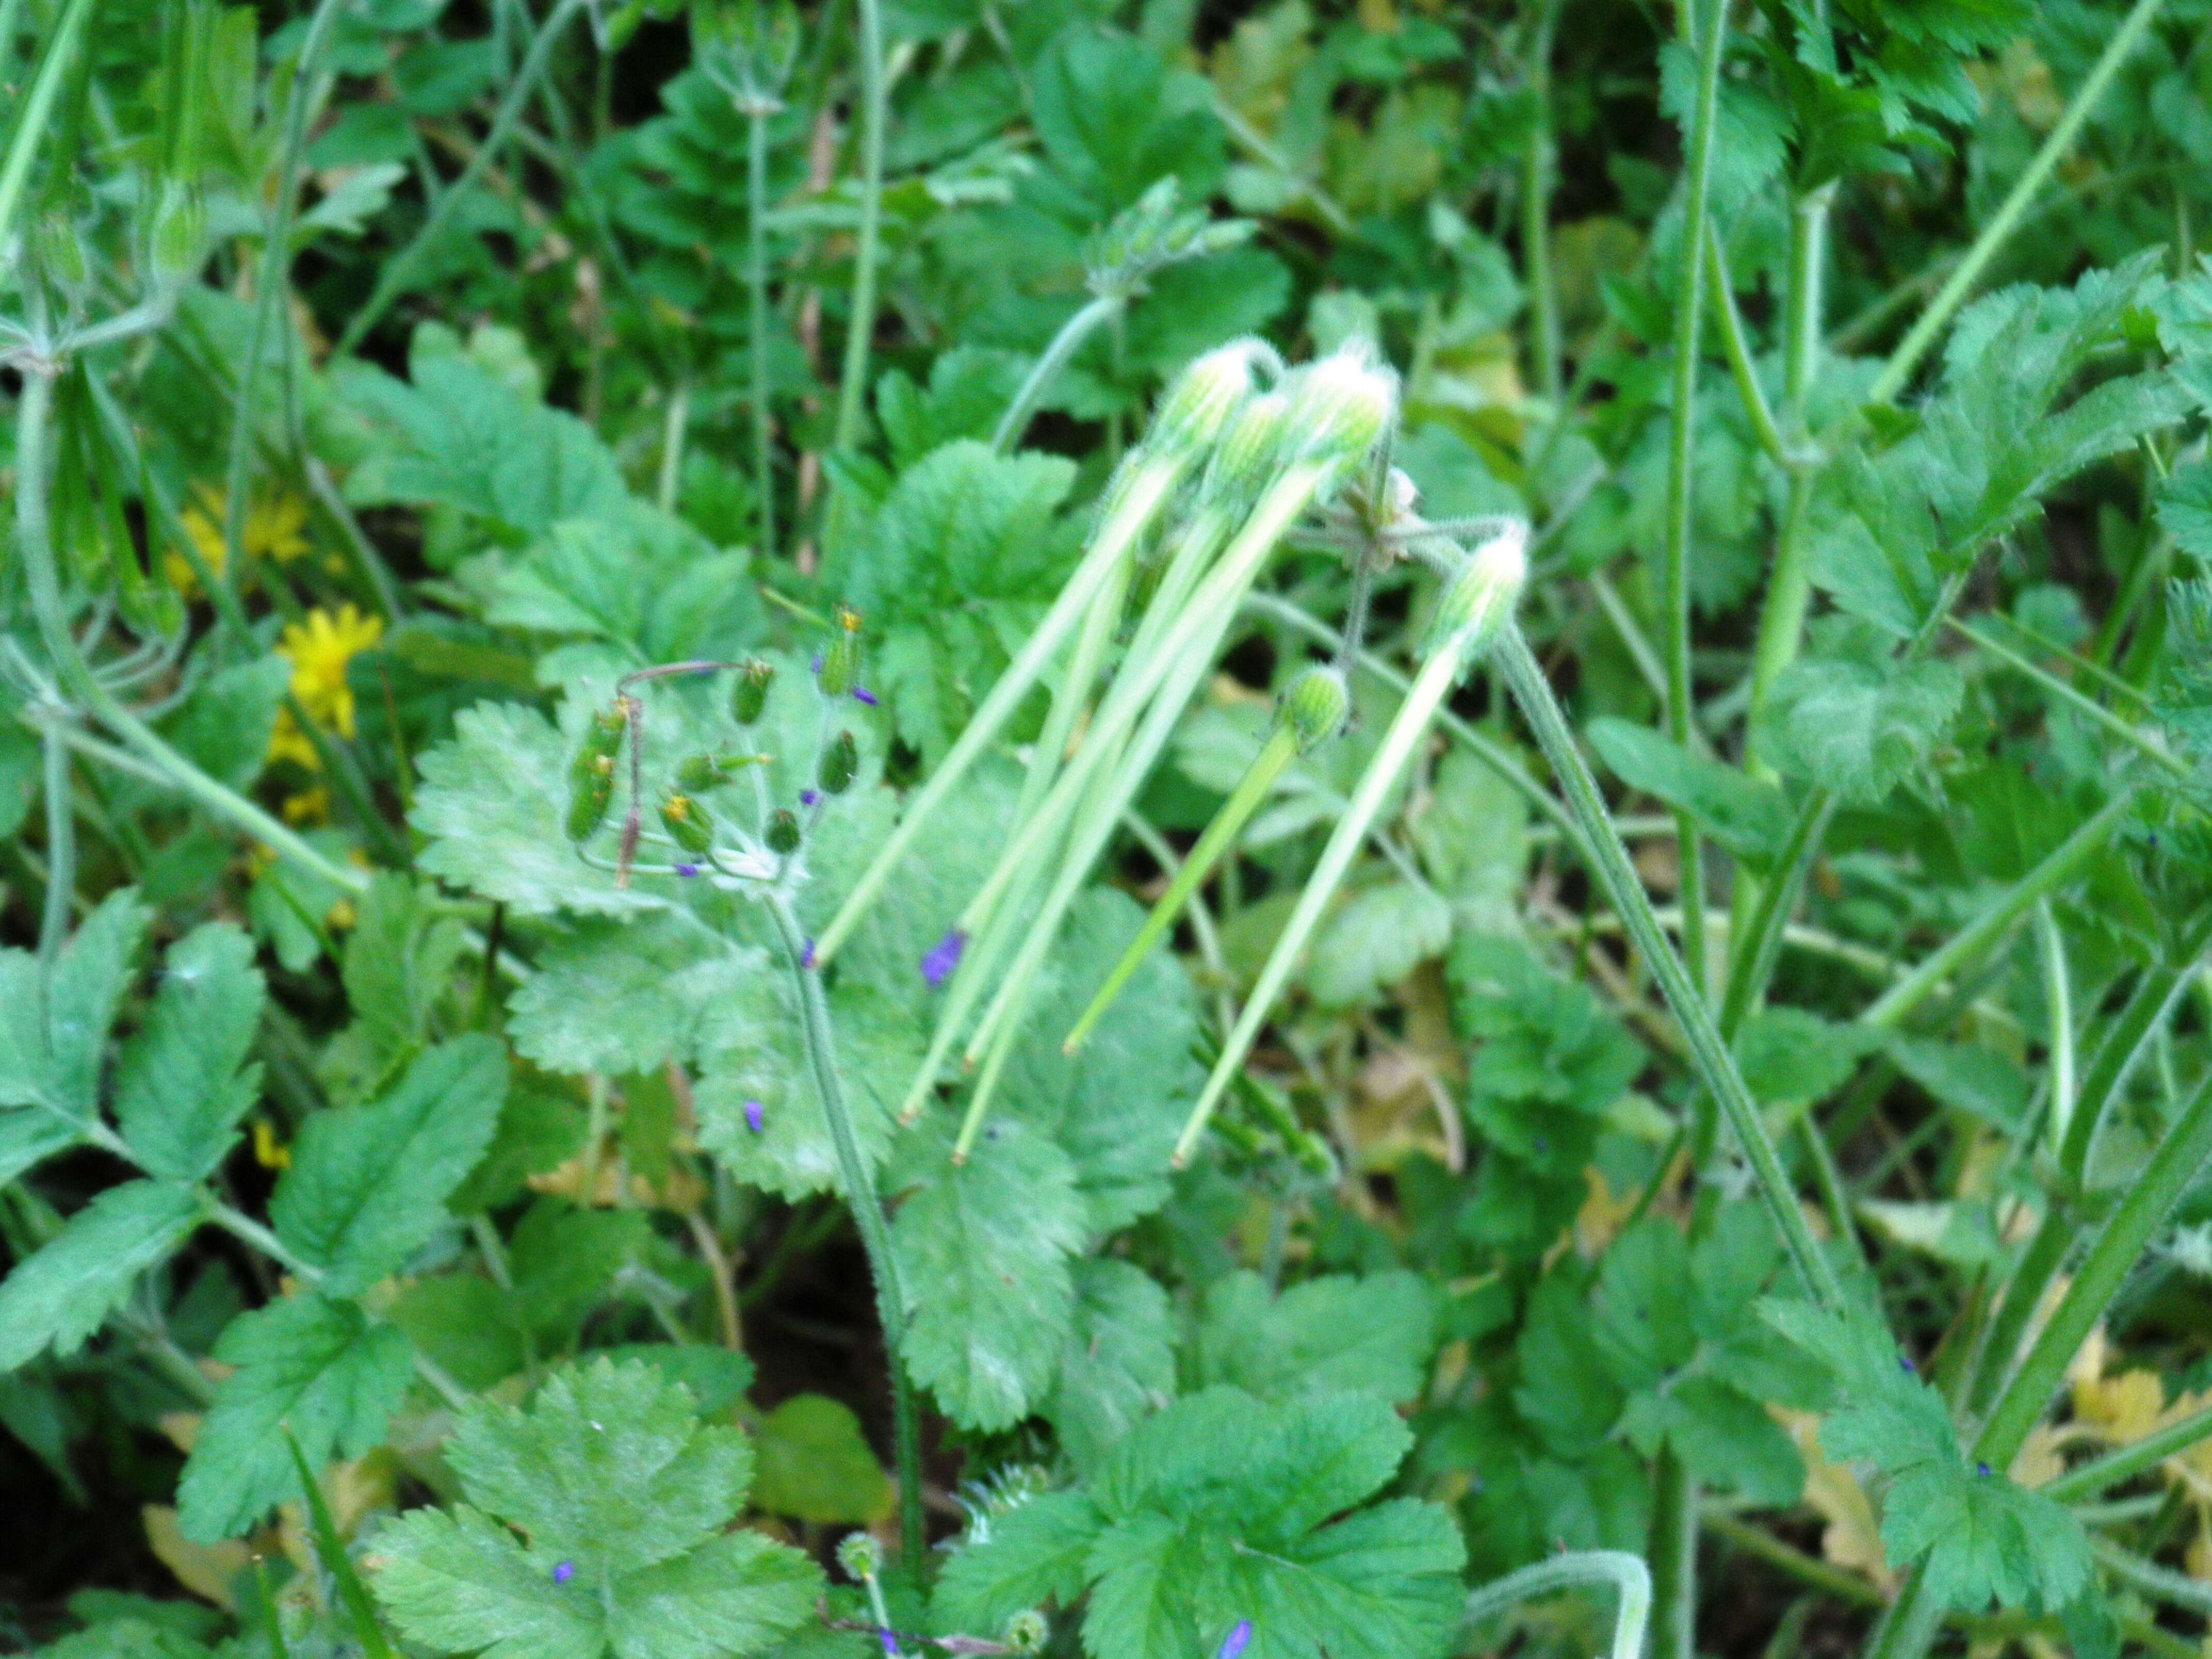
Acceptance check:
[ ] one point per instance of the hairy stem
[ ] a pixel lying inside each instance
(1623, 1571)
(867, 1216)
(35, 117)
(1065, 345)
(756, 285)
(851, 389)
(1536, 166)
(61, 846)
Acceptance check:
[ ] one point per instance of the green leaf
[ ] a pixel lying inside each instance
(53, 1034)
(621, 997)
(1642, 1305)
(224, 727)
(367, 1184)
(1335, 1335)
(398, 966)
(1220, 1510)
(1112, 120)
(1373, 940)
(1794, 1056)
(64, 1292)
(609, 1475)
(1118, 1366)
(816, 1466)
(983, 1247)
(183, 1083)
(307, 1365)
(1035, 1552)
(1855, 723)
(1746, 815)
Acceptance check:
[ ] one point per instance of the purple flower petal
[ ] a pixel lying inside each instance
(563, 1572)
(806, 955)
(808, 797)
(884, 1637)
(861, 694)
(1982, 1469)
(687, 869)
(753, 1116)
(942, 957)
(1239, 1637)
(817, 662)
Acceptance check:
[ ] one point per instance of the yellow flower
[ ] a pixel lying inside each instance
(287, 742)
(269, 1152)
(274, 528)
(309, 807)
(319, 650)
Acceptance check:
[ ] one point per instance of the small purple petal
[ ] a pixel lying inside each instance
(1239, 1637)
(817, 662)
(806, 955)
(1981, 1468)
(942, 957)
(884, 1637)
(861, 694)
(1904, 1363)
(808, 797)
(687, 869)
(564, 1572)
(753, 1116)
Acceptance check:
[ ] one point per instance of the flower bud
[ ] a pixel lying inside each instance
(860, 1556)
(1314, 706)
(702, 772)
(178, 238)
(840, 761)
(783, 833)
(1340, 404)
(840, 659)
(1482, 596)
(1026, 1630)
(1197, 408)
(689, 822)
(602, 742)
(749, 695)
(1251, 449)
(53, 244)
(588, 796)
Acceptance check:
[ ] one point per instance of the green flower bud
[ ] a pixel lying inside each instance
(602, 742)
(58, 253)
(749, 695)
(783, 833)
(841, 658)
(1314, 706)
(588, 796)
(1341, 404)
(1026, 1630)
(839, 762)
(689, 822)
(860, 1556)
(1482, 596)
(702, 772)
(1198, 407)
(178, 238)
(1251, 449)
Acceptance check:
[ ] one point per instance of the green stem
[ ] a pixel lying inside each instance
(399, 269)
(1536, 168)
(36, 114)
(2057, 868)
(1266, 766)
(275, 283)
(34, 402)
(1952, 295)
(2126, 1039)
(61, 845)
(1673, 1559)
(2108, 1471)
(757, 283)
(1139, 502)
(1737, 349)
(1682, 434)
(1430, 686)
(2058, 999)
(675, 427)
(868, 1216)
(1065, 345)
(851, 390)
(1623, 1571)
(2141, 742)
(1716, 1066)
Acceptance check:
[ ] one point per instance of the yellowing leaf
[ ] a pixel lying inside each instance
(1851, 1540)
(205, 1569)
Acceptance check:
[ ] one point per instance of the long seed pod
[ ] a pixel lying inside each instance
(1482, 597)
(748, 693)
(690, 823)
(1312, 711)
(589, 795)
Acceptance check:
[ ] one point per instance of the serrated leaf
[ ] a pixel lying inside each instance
(53, 1027)
(183, 1083)
(63, 1292)
(1033, 1553)
(1373, 940)
(1746, 815)
(816, 1466)
(622, 1496)
(1641, 1307)
(1331, 1335)
(983, 1248)
(398, 965)
(308, 1364)
(622, 997)
(1118, 1366)
(1856, 726)
(367, 1184)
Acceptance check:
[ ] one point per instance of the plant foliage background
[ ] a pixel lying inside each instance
(424, 1234)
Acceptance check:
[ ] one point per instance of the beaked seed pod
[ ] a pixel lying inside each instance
(1482, 596)
(689, 822)
(1251, 449)
(841, 658)
(1340, 404)
(860, 1556)
(602, 742)
(179, 234)
(1314, 706)
(1197, 406)
(783, 833)
(698, 774)
(839, 762)
(588, 796)
(749, 695)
